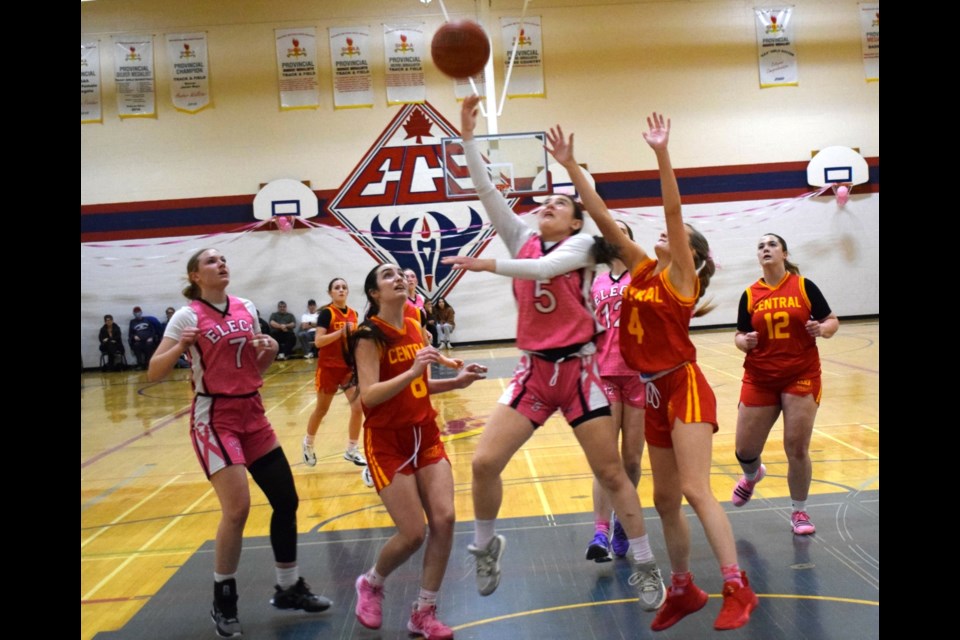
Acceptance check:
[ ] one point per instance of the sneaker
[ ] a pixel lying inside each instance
(679, 605)
(744, 489)
(369, 608)
(424, 622)
(599, 548)
(619, 542)
(365, 476)
(488, 564)
(299, 597)
(224, 611)
(738, 602)
(309, 455)
(281, 356)
(801, 524)
(646, 578)
(308, 355)
(352, 454)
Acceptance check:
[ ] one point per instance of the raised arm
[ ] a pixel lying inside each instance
(561, 148)
(575, 253)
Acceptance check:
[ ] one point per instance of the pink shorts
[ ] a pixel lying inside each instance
(229, 430)
(540, 387)
(684, 395)
(628, 390)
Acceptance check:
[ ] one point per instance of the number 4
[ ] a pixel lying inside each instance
(634, 327)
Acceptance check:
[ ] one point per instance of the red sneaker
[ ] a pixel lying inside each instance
(369, 604)
(738, 602)
(679, 605)
(424, 622)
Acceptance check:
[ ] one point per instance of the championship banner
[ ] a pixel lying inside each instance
(526, 79)
(352, 82)
(462, 88)
(870, 40)
(90, 110)
(190, 84)
(297, 68)
(133, 73)
(778, 58)
(403, 50)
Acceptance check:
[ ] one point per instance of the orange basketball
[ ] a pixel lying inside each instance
(460, 48)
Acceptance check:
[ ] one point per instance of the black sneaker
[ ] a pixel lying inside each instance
(299, 597)
(224, 611)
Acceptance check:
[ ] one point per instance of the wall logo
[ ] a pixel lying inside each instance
(132, 56)
(403, 46)
(350, 49)
(187, 52)
(296, 51)
(395, 205)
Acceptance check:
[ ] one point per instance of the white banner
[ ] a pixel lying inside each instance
(133, 73)
(870, 40)
(403, 50)
(90, 110)
(297, 68)
(526, 79)
(352, 82)
(190, 83)
(778, 57)
(462, 88)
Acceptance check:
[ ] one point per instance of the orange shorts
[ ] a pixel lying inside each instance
(405, 450)
(330, 379)
(683, 395)
(768, 395)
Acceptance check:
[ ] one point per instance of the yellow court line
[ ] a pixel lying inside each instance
(145, 546)
(536, 483)
(839, 441)
(581, 605)
(860, 424)
(129, 511)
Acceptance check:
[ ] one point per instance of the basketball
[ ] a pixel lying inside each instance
(460, 48)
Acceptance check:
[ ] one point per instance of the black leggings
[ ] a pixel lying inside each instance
(272, 474)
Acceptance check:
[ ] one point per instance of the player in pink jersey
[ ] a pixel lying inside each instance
(680, 416)
(555, 330)
(779, 320)
(334, 322)
(625, 392)
(406, 457)
(228, 356)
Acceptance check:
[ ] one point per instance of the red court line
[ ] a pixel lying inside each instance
(150, 431)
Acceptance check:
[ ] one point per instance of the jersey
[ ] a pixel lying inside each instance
(223, 359)
(331, 355)
(779, 315)
(412, 405)
(655, 322)
(607, 294)
(554, 313)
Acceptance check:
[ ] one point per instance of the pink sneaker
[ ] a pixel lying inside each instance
(801, 524)
(424, 622)
(369, 604)
(744, 489)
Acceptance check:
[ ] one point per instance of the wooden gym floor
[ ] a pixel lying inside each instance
(148, 515)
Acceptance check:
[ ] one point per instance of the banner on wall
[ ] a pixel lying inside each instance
(403, 49)
(90, 110)
(526, 79)
(462, 88)
(870, 40)
(775, 47)
(352, 81)
(133, 74)
(190, 83)
(297, 68)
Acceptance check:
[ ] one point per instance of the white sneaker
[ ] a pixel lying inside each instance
(365, 476)
(308, 356)
(280, 356)
(309, 456)
(488, 564)
(352, 454)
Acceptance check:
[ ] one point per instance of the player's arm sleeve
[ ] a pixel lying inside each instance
(513, 231)
(744, 321)
(575, 253)
(324, 318)
(819, 308)
(184, 317)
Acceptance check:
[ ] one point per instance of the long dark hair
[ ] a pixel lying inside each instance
(791, 267)
(368, 330)
(706, 267)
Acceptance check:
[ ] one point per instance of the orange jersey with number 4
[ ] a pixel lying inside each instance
(412, 405)
(655, 321)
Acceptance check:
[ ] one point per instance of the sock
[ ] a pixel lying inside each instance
(351, 445)
(750, 467)
(374, 578)
(223, 577)
(680, 581)
(731, 573)
(483, 532)
(799, 505)
(426, 599)
(602, 526)
(641, 549)
(287, 577)
(308, 439)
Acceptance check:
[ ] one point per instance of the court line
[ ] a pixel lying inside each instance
(130, 510)
(860, 424)
(547, 512)
(146, 545)
(839, 441)
(581, 605)
(103, 495)
(169, 419)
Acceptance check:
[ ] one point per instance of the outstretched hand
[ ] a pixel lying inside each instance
(468, 116)
(658, 133)
(468, 263)
(560, 148)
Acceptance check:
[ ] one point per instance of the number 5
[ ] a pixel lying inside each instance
(538, 293)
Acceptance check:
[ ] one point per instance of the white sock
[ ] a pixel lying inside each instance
(426, 599)
(287, 577)
(799, 505)
(641, 549)
(374, 578)
(223, 577)
(308, 439)
(483, 532)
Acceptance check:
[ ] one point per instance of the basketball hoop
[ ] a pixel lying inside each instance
(503, 188)
(284, 223)
(842, 191)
